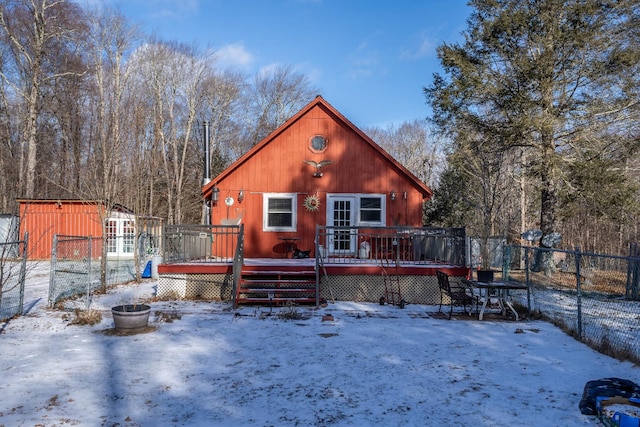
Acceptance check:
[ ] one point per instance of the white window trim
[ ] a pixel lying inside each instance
(265, 211)
(383, 210)
(357, 219)
(118, 240)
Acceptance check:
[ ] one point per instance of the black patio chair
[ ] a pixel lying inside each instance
(457, 294)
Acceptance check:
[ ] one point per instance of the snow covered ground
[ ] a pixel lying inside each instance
(205, 364)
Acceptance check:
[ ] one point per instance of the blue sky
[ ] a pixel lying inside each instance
(368, 58)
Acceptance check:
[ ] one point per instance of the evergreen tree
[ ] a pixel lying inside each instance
(556, 79)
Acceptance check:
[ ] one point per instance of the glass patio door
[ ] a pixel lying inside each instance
(341, 214)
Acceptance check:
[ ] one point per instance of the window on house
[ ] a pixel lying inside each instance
(371, 210)
(279, 212)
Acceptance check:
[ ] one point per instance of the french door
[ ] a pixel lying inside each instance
(341, 213)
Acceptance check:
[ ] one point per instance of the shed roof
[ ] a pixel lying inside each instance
(116, 206)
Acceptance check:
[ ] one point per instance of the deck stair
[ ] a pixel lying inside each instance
(277, 287)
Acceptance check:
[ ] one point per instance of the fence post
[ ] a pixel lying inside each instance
(526, 265)
(579, 291)
(633, 273)
(52, 269)
(23, 272)
(526, 276)
(89, 278)
(506, 262)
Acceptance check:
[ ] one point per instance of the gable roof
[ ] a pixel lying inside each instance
(318, 101)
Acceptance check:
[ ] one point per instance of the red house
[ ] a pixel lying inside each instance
(317, 168)
(316, 181)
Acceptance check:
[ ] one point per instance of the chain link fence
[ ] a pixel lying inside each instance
(71, 268)
(75, 266)
(594, 297)
(13, 265)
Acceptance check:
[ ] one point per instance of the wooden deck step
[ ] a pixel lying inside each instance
(276, 287)
(244, 280)
(278, 290)
(276, 300)
(278, 273)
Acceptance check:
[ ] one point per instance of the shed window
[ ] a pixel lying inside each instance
(279, 212)
(120, 236)
(128, 236)
(112, 236)
(371, 210)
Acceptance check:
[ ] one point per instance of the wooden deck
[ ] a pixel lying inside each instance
(280, 280)
(342, 266)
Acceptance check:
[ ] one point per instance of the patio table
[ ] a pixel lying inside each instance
(495, 290)
(290, 245)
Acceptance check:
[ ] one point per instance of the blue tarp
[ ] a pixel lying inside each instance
(146, 274)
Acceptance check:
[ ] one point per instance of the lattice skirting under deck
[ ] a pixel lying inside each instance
(358, 288)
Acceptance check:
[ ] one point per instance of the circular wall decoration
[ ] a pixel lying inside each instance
(318, 143)
(312, 203)
(229, 201)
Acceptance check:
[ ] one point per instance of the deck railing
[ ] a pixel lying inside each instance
(207, 243)
(404, 245)
(238, 262)
(336, 245)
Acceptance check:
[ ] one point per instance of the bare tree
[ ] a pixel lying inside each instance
(111, 38)
(34, 30)
(173, 76)
(276, 95)
(63, 137)
(415, 146)
(223, 110)
(8, 153)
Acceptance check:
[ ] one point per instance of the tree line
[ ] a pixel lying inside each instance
(92, 108)
(533, 123)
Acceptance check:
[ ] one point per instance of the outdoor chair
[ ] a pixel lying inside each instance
(457, 294)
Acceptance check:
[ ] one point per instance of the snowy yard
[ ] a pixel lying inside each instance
(205, 364)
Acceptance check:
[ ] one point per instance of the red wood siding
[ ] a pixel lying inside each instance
(43, 219)
(277, 165)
